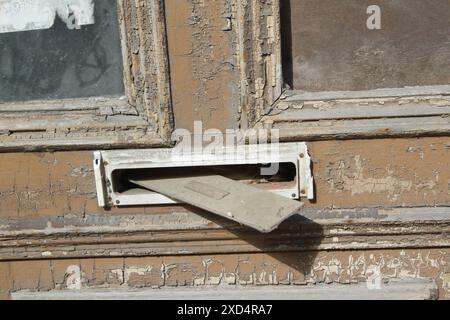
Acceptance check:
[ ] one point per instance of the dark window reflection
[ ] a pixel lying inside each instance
(63, 63)
(328, 47)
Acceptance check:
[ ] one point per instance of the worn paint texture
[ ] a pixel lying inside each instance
(394, 172)
(202, 63)
(348, 174)
(225, 58)
(246, 269)
(44, 195)
(382, 205)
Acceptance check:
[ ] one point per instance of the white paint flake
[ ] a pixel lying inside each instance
(73, 277)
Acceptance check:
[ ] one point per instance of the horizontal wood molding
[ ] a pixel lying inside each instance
(414, 289)
(203, 233)
(364, 129)
(353, 118)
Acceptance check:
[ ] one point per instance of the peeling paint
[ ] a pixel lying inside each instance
(73, 277)
(360, 184)
(81, 250)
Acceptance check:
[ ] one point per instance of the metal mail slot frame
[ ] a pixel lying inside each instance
(107, 162)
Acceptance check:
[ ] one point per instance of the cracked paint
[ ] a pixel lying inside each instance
(359, 184)
(373, 267)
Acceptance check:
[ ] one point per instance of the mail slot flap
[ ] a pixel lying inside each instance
(247, 205)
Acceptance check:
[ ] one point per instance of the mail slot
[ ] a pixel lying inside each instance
(115, 171)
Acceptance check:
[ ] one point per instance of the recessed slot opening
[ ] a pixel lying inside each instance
(247, 173)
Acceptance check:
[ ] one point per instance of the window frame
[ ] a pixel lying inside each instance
(142, 117)
(267, 103)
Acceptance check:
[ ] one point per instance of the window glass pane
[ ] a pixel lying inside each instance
(51, 49)
(328, 45)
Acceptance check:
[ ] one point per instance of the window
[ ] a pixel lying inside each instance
(326, 69)
(328, 45)
(83, 73)
(66, 60)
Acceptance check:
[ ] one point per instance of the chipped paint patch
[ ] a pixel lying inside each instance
(129, 271)
(46, 254)
(374, 268)
(118, 274)
(73, 277)
(387, 184)
(356, 176)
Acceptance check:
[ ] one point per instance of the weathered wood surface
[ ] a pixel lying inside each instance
(413, 289)
(294, 268)
(348, 174)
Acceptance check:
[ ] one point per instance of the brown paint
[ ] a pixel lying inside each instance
(201, 59)
(348, 174)
(207, 74)
(345, 267)
(391, 172)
